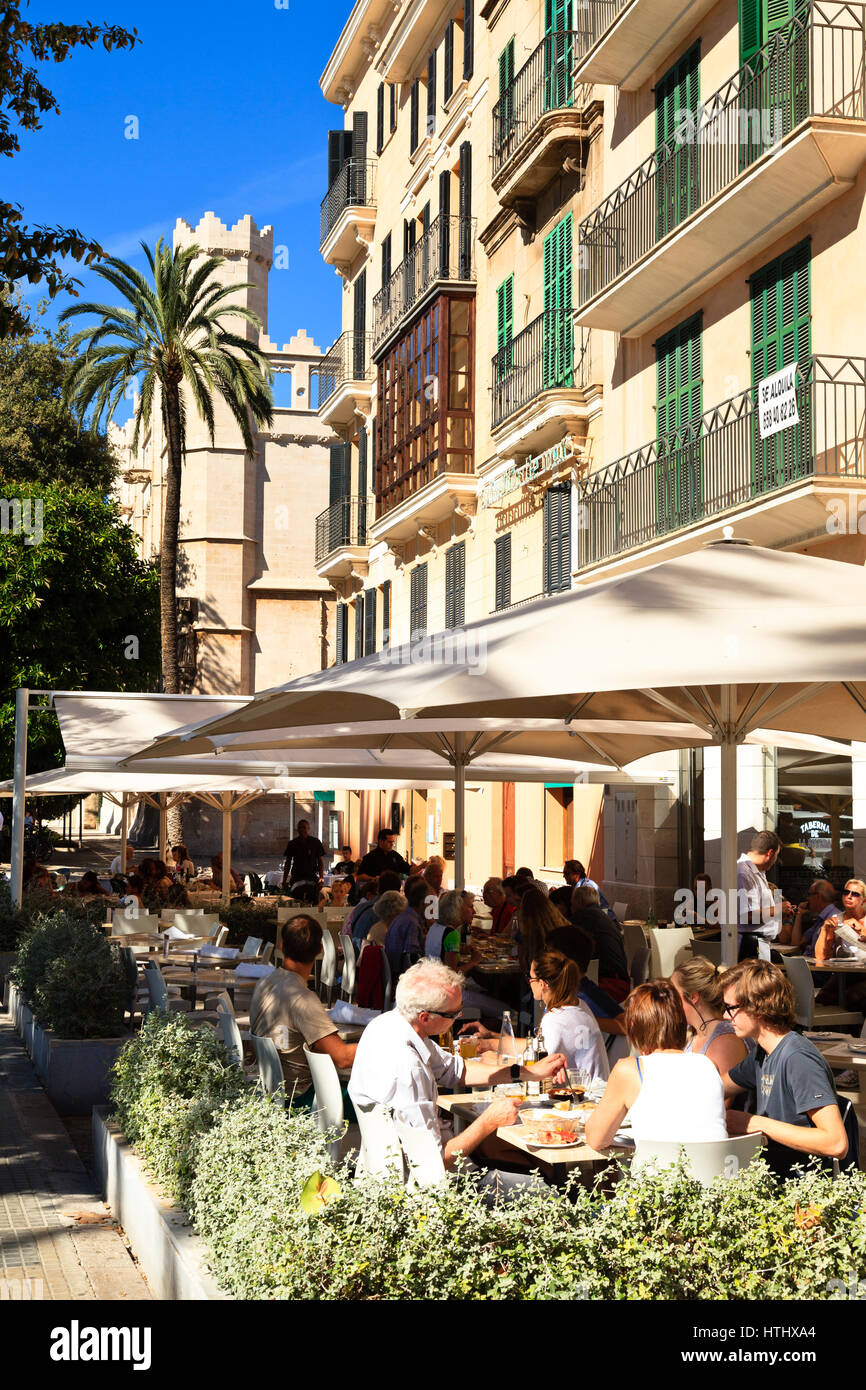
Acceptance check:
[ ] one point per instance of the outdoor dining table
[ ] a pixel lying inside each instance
(838, 1055)
(558, 1162)
(840, 966)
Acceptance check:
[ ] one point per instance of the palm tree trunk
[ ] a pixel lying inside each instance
(168, 551)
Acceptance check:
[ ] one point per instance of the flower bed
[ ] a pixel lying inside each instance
(239, 1163)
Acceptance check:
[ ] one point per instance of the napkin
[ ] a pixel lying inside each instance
(176, 934)
(344, 1012)
(222, 952)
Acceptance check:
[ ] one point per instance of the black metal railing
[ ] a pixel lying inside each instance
(544, 83)
(354, 187)
(721, 462)
(446, 252)
(347, 360)
(345, 522)
(814, 66)
(549, 354)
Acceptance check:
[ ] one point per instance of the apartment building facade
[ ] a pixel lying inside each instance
(574, 238)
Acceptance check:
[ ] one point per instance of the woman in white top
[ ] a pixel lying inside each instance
(669, 1094)
(699, 984)
(567, 1027)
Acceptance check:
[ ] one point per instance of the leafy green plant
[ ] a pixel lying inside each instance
(169, 1083)
(246, 919)
(15, 922)
(71, 977)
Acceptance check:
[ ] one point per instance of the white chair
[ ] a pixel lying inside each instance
(706, 1160)
(667, 944)
(434, 940)
(265, 956)
(349, 983)
(329, 1095)
(231, 1033)
(424, 1155)
(639, 968)
(141, 924)
(270, 1069)
(252, 946)
(387, 983)
(619, 911)
(328, 973)
(808, 1013)
(592, 971)
(634, 939)
(710, 950)
(191, 920)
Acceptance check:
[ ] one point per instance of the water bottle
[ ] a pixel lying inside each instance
(506, 1053)
(650, 918)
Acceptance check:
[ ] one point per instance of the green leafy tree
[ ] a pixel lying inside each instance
(78, 608)
(35, 253)
(173, 338)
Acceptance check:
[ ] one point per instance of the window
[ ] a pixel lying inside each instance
(505, 111)
(455, 585)
(557, 350)
(448, 65)
(677, 163)
(342, 634)
(431, 93)
(782, 334)
(504, 326)
(468, 38)
(380, 118)
(386, 261)
(557, 538)
(414, 101)
(369, 621)
(558, 54)
(418, 602)
(339, 152)
(386, 613)
(679, 402)
(359, 626)
(503, 570)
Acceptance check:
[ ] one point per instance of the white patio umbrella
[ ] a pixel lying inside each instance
(723, 641)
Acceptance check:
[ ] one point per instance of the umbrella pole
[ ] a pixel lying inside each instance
(730, 941)
(22, 702)
(227, 843)
(163, 827)
(124, 806)
(459, 814)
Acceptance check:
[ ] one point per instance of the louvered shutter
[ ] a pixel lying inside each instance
(393, 88)
(781, 334)
(369, 621)
(418, 601)
(465, 207)
(679, 485)
(677, 164)
(455, 585)
(431, 93)
(749, 19)
(557, 538)
(362, 484)
(359, 626)
(339, 151)
(342, 633)
(340, 471)
(386, 260)
(502, 548)
(414, 100)
(444, 223)
(380, 118)
(557, 366)
(448, 65)
(359, 324)
(386, 613)
(468, 38)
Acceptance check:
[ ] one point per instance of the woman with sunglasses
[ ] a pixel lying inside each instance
(699, 984)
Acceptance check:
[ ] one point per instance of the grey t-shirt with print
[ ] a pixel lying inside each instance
(789, 1082)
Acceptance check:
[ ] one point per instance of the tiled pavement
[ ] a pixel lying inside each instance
(54, 1230)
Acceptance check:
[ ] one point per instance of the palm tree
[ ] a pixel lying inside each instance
(170, 334)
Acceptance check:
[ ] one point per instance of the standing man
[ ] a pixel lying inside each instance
(759, 911)
(304, 859)
(385, 856)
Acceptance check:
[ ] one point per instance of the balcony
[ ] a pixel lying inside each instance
(785, 136)
(623, 42)
(346, 380)
(443, 258)
(535, 120)
(341, 537)
(677, 492)
(420, 501)
(348, 212)
(542, 387)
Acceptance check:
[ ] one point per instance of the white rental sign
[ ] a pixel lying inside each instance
(777, 401)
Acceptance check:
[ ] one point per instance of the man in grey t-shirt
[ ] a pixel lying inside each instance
(796, 1101)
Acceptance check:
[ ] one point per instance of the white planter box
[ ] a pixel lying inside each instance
(171, 1255)
(74, 1071)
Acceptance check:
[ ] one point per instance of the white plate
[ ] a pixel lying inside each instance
(827, 1037)
(571, 1144)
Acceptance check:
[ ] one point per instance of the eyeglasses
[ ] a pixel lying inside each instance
(732, 1009)
(442, 1013)
(851, 893)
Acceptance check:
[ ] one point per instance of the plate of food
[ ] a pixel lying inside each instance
(551, 1129)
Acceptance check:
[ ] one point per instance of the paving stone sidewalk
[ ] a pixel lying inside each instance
(54, 1229)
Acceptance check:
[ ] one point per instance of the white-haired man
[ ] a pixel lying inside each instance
(399, 1065)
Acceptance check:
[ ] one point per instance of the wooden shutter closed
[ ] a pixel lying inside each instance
(455, 585)
(339, 151)
(359, 626)
(502, 549)
(342, 633)
(749, 20)
(677, 163)
(414, 99)
(359, 324)
(393, 88)
(386, 260)
(369, 621)
(448, 64)
(468, 38)
(380, 118)
(557, 365)
(340, 471)
(557, 538)
(418, 601)
(431, 93)
(465, 209)
(782, 334)
(386, 613)
(679, 403)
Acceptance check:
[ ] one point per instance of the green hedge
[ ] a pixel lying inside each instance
(15, 922)
(239, 1164)
(71, 978)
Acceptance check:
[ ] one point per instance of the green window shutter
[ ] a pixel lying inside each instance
(386, 613)
(679, 402)
(782, 334)
(557, 16)
(369, 622)
(505, 313)
(506, 67)
(342, 634)
(749, 18)
(557, 263)
(677, 165)
(455, 585)
(418, 602)
(359, 626)
(502, 549)
(557, 538)
(558, 54)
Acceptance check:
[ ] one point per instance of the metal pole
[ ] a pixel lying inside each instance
(730, 941)
(80, 822)
(16, 853)
(459, 813)
(227, 843)
(163, 826)
(124, 805)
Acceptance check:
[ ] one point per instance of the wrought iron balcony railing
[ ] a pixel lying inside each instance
(354, 187)
(720, 462)
(446, 252)
(544, 83)
(550, 353)
(347, 360)
(814, 66)
(344, 523)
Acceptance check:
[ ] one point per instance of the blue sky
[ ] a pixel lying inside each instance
(230, 118)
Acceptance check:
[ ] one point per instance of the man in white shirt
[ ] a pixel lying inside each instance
(116, 868)
(759, 907)
(398, 1065)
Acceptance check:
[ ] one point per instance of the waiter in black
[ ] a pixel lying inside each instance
(305, 857)
(385, 856)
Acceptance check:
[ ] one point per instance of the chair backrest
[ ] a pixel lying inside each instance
(434, 940)
(270, 1071)
(252, 946)
(329, 961)
(143, 922)
(422, 1149)
(284, 913)
(156, 986)
(350, 967)
(130, 972)
(231, 1033)
(266, 953)
(219, 935)
(329, 1094)
(710, 950)
(387, 983)
(633, 940)
(619, 911)
(707, 1160)
(208, 924)
(618, 1048)
(381, 1150)
(592, 970)
(800, 976)
(640, 965)
(666, 944)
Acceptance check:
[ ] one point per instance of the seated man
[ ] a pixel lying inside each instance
(797, 1105)
(364, 917)
(501, 910)
(283, 1008)
(587, 913)
(819, 907)
(216, 868)
(399, 1065)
